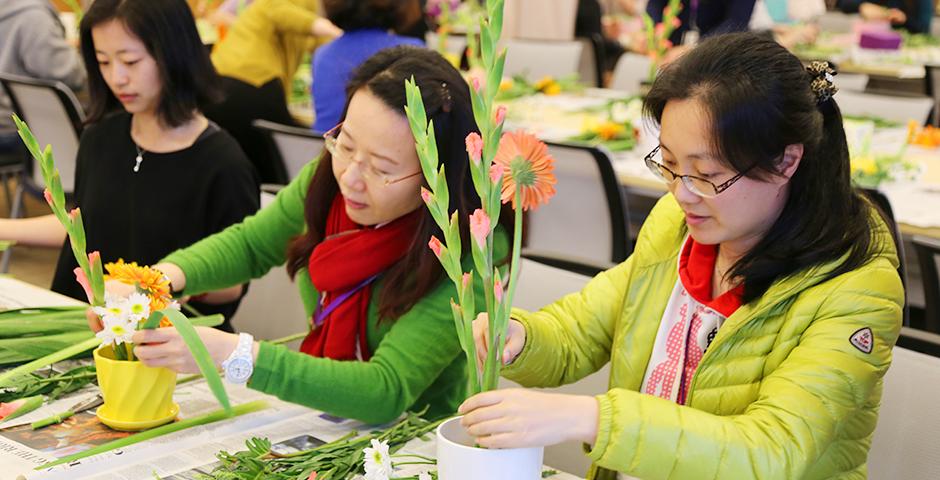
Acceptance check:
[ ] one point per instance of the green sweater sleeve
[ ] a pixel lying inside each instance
(571, 338)
(246, 250)
(410, 357)
(417, 362)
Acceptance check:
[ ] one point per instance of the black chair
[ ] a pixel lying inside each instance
(928, 253)
(882, 203)
(587, 218)
(291, 147)
(56, 118)
(932, 87)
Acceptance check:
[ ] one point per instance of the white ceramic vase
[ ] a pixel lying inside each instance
(458, 459)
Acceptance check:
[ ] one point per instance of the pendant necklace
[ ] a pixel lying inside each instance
(140, 157)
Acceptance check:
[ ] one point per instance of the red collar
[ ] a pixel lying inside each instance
(696, 265)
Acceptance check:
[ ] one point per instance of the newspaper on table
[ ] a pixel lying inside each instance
(180, 455)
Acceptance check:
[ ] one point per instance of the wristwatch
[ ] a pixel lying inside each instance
(239, 365)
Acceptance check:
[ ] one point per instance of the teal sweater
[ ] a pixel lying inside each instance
(416, 359)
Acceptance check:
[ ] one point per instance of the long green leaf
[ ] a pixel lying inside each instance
(163, 430)
(63, 354)
(197, 348)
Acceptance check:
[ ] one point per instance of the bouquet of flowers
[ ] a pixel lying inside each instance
(513, 167)
(657, 36)
(520, 86)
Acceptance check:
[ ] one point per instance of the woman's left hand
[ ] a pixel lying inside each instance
(515, 418)
(164, 347)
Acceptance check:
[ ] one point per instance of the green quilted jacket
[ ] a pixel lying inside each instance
(781, 392)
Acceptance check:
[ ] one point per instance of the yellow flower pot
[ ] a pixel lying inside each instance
(136, 397)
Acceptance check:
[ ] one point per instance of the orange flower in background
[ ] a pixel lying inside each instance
(149, 281)
(526, 163)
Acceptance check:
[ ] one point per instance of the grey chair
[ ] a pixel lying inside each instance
(587, 218)
(904, 444)
(291, 147)
(56, 118)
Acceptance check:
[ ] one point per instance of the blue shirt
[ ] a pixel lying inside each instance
(333, 66)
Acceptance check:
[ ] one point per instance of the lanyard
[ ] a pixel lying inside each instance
(321, 313)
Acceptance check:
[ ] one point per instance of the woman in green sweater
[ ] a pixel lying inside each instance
(353, 232)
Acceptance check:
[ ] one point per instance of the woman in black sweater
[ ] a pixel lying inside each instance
(153, 174)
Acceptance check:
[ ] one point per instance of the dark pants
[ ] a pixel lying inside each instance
(244, 103)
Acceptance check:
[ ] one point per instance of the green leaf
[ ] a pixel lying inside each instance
(47, 360)
(196, 348)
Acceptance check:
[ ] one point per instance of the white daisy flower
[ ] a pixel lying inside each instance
(175, 305)
(377, 462)
(117, 330)
(138, 306)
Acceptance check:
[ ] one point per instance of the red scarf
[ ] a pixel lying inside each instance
(351, 256)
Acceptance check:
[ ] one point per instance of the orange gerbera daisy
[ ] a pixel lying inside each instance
(527, 164)
(148, 281)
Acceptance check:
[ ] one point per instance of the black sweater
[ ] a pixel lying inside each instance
(174, 200)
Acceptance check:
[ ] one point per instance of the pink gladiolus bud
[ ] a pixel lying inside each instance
(676, 23)
(73, 214)
(426, 196)
(659, 30)
(46, 193)
(500, 114)
(668, 43)
(83, 281)
(498, 287)
(466, 279)
(475, 83)
(667, 11)
(479, 227)
(474, 147)
(496, 172)
(436, 246)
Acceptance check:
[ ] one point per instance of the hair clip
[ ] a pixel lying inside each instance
(821, 81)
(446, 101)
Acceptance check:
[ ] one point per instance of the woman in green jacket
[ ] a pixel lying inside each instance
(749, 332)
(353, 232)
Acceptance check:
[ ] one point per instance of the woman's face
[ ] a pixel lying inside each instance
(741, 215)
(127, 67)
(376, 163)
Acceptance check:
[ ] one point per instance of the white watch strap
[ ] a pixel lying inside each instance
(242, 349)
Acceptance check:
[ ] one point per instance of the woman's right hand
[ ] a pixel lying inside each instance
(515, 339)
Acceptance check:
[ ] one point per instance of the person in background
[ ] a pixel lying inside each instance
(912, 15)
(791, 22)
(368, 26)
(153, 174)
(705, 17)
(588, 24)
(227, 12)
(257, 60)
(33, 44)
(749, 332)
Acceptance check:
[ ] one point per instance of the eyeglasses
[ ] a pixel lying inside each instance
(696, 185)
(343, 156)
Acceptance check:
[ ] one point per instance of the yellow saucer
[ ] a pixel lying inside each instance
(135, 426)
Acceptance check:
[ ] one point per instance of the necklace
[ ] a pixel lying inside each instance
(140, 157)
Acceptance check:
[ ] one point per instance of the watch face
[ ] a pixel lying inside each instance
(238, 370)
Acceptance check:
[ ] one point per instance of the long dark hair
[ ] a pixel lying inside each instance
(168, 32)
(759, 99)
(447, 101)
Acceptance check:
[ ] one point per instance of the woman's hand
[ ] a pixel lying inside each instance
(515, 339)
(324, 28)
(516, 418)
(164, 347)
